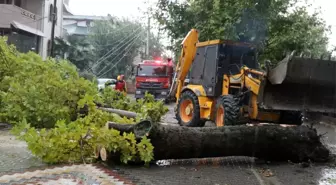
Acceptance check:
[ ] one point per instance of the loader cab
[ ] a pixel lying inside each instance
(216, 58)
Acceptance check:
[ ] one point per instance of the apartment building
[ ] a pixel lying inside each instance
(28, 23)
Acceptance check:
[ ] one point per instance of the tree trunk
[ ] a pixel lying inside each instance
(269, 142)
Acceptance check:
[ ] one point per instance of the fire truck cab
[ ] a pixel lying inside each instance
(154, 77)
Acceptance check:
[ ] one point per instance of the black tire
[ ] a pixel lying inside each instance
(196, 120)
(231, 109)
(291, 118)
(166, 101)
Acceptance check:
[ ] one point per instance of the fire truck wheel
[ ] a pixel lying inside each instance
(166, 101)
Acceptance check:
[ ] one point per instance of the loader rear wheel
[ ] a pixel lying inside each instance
(227, 111)
(188, 110)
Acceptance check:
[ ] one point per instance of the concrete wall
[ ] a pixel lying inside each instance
(33, 6)
(10, 13)
(34, 14)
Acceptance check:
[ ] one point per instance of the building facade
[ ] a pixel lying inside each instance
(80, 24)
(28, 23)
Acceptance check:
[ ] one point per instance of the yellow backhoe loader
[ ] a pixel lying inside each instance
(226, 87)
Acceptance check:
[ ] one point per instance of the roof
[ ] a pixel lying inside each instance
(27, 29)
(85, 17)
(67, 8)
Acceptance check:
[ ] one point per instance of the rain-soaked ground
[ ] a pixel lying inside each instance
(14, 156)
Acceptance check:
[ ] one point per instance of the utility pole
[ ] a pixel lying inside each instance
(148, 35)
(54, 19)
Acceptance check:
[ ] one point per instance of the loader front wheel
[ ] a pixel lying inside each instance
(188, 110)
(227, 111)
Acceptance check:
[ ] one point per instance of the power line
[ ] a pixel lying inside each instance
(127, 47)
(108, 53)
(117, 61)
(115, 31)
(134, 40)
(113, 50)
(100, 59)
(120, 47)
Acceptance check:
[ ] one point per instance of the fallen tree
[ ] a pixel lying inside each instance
(127, 114)
(269, 142)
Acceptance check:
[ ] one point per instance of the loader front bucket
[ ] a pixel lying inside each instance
(301, 84)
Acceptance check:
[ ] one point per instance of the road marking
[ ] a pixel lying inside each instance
(269, 181)
(256, 174)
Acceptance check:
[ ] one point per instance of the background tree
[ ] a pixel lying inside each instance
(77, 49)
(110, 48)
(156, 48)
(270, 24)
(297, 31)
(117, 42)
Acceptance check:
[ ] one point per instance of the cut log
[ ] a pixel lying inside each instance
(268, 142)
(103, 154)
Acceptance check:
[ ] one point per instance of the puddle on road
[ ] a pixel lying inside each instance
(328, 177)
(223, 161)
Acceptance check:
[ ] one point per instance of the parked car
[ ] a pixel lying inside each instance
(103, 82)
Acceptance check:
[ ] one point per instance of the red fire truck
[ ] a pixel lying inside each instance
(154, 77)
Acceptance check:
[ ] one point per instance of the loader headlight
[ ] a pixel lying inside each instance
(137, 92)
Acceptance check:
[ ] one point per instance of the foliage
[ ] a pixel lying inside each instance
(297, 31)
(77, 49)
(78, 141)
(147, 108)
(41, 92)
(37, 94)
(268, 24)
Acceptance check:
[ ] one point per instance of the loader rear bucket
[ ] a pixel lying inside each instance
(301, 84)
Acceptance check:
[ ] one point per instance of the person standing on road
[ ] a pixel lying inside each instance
(121, 84)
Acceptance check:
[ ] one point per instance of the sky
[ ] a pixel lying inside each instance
(130, 8)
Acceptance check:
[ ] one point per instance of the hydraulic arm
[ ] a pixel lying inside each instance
(185, 61)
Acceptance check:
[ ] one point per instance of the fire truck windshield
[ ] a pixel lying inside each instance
(152, 71)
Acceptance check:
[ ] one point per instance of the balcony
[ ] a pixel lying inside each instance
(19, 18)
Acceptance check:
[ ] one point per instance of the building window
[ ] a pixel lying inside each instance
(51, 8)
(17, 3)
(5, 1)
(4, 32)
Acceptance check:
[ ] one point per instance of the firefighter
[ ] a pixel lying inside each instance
(121, 84)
